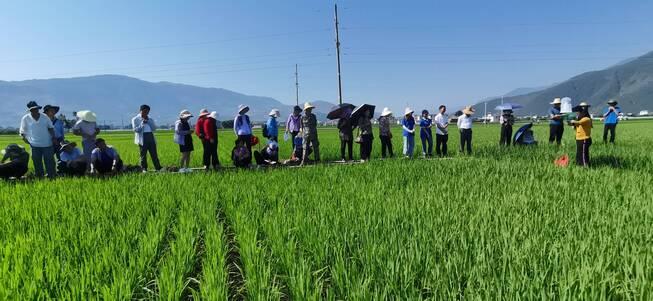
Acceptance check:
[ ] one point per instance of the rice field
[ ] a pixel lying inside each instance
(500, 224)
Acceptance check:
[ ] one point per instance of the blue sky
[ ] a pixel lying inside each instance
(395, 53)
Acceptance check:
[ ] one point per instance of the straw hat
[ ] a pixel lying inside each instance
(33, 105)
(556, 101)
(242, 109)
(87, 116)
(612, 102)
(308, 105)
(214, 115)
(468, 110)
(408, 111)
(204, 112)
(386, 112)
(185, 114)
(274, 113)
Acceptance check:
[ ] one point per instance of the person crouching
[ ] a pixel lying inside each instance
(71, 161)
(269, 155)
(105, 159)
(14, 162)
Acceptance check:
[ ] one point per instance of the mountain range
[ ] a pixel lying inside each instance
(630, 82)
(116, 99)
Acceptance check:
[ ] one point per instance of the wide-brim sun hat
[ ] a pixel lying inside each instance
(612, 102)
(204, 112)
(556, 101)
(214, 115)
(87, 116)
(48, 107)
(32, 105)
(584, 104)
(242, 109)
(408, 111)
(386, 112)
(308, 105)
(185, 114)
(274, 112)
(66, 143)
(468, 110)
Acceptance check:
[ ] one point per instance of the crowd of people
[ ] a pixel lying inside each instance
(53, 155)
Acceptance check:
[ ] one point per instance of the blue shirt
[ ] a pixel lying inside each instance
(425, 130)
(70, 156)
(554, 111)
(612, 117)
(59, 131)
(273, 130)
(410, 124)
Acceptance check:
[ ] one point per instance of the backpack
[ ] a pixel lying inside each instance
(265, 130)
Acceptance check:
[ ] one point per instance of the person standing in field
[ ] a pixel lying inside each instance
(105, 159)
(507, 120)
(71, 161)
(583, 127)
(465, 128)
(441, 131)
(610, 120)
(86, 127)
(385, 134)
(183, 137)
(18, 162)
(556, 128)
(366, 135)
(37, 130)
(309, 128)
(408, 125)
(346, 134)
(205, 131)
(272, 127)
(59, 130)
(243, 127)
(294, 124)
(425, 134)
(144, 128)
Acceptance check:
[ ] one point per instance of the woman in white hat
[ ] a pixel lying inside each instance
(385, 134)
(87, 128)
(183, 137)
(556, 127)
(465, 128)
(408, 124)
(309, 128)
(271, 130)
(243, 127)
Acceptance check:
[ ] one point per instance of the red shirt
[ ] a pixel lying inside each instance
(199, 127)
(210, 129)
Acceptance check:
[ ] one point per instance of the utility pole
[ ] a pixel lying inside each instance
(338, 54)
(296, 85)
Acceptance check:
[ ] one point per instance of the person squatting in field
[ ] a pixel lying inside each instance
(14, 163)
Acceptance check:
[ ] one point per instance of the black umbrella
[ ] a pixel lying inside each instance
(338, 111)
(358, 112)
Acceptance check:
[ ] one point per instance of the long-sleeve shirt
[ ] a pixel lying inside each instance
(409, 126)
(583, 128)
(141, 128)
(441, 123)
(181, 131)
(384, 126)
(425, 127)
(210, 127)
(199, 127)
(37, 132)
(70, 156)
(59, 131)
(508, 120)
(273, 127)
(293, 124)
(345, 129)
(365, 125)
(242, 126)
(309, 124)
(553, 113)
(465, 122)
(611, 117)
(86, 129)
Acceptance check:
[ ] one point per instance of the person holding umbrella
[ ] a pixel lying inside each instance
(465, 127)
(426, 134)
(385, 134)
(556, 128)
(441, 131)
(408, 125)
(364, 121)
(610, 120)
(309, 128)
(583, 126)
(507, 120)
(294, 124)
(346, 133)
(243, 127)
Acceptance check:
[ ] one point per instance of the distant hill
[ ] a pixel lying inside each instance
(630, 82)
(116, 99)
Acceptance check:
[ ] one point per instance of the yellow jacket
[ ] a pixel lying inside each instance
(583, 128)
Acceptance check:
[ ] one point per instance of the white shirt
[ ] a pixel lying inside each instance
(36, 131)
(464, 122)
(140, 128)
(87, 129)
(441, 120)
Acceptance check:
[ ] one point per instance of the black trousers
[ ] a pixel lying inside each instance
(466, 140)
(349, 145)
(555, 133)
(73, 168)
(441, 144)
(386, 146)
(248, 141)
(105, 167)
(149, 146)
(12, 170)
(609, 128)
(210, 157)
(583, 152)
(506, 135)
(366, 146)
(294, 135)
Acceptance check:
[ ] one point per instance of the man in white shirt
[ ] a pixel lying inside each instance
(37, 131)
(465, 127)
(441, 131)
(144, 128)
